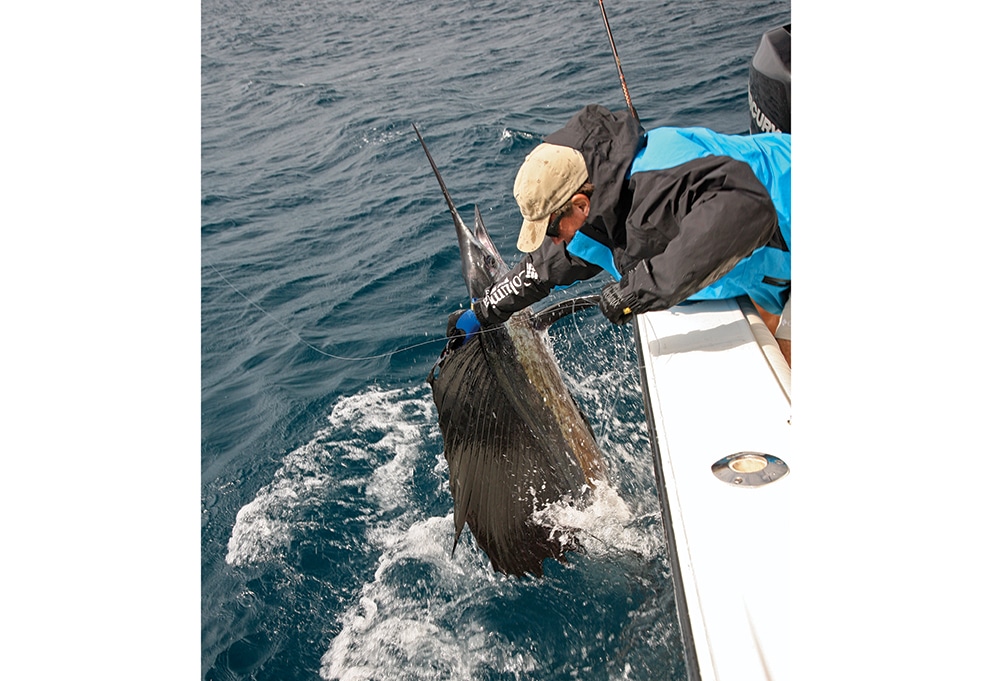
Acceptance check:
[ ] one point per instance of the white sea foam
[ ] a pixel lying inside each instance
(606, 527)
(417, 618)
(400, 419)
(266, 524)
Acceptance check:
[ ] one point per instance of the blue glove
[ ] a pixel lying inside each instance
(469, 323)
(462, 324)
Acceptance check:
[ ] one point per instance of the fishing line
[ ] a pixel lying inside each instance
(313, 347)
(586, 339)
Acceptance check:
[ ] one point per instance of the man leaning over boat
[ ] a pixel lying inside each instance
(672, 214)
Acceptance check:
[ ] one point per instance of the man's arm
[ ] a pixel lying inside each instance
(530, 280)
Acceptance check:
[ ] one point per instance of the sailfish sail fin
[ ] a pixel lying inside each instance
(502, 468)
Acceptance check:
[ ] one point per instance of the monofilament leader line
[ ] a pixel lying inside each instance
(310, 345)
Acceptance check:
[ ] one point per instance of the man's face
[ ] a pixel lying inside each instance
(570, 222)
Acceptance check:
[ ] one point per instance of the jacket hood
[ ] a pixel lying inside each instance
(609, 142)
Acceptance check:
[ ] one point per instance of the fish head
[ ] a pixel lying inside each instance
(481, 262)
(482, 265)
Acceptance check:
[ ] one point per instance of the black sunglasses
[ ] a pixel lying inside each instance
(553, 228)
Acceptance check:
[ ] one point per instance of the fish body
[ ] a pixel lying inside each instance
(514, 438)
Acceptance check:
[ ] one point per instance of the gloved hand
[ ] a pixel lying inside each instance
(462, 324)
(616, 305)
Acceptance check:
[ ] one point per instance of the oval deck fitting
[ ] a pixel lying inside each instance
(749, 469)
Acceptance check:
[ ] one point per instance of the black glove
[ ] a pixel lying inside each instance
(616, 305)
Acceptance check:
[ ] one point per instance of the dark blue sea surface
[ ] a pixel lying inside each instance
(329, 266)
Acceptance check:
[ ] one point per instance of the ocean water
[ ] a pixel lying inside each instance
(329, 266)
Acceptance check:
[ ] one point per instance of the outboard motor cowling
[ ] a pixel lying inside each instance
(770, 84)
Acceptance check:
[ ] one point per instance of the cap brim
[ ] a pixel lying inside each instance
(532, 235)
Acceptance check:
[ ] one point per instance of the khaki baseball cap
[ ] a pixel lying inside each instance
(548, 178)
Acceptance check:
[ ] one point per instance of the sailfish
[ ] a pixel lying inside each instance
(515, 440)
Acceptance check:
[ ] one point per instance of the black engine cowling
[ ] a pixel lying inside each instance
(770, 83)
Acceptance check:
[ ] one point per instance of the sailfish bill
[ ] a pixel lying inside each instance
(514, 438)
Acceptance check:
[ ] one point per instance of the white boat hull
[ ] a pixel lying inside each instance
(716, 385)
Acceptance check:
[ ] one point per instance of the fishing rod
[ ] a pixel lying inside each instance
(628, 100)
(618, 63)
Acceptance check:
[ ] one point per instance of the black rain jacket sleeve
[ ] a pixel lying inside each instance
(689, 225)
(530, 280)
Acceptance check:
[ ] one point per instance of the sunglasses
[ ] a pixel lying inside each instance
(553, 228)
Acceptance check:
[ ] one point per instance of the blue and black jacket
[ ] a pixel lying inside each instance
(676, 214)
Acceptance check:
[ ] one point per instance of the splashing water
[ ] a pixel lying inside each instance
(423, 613)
